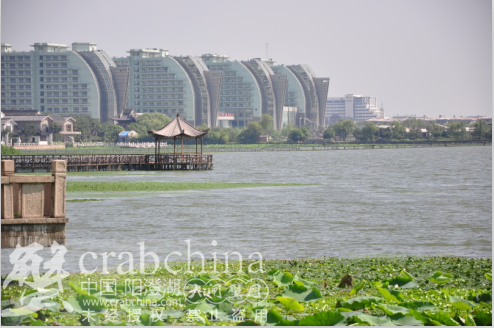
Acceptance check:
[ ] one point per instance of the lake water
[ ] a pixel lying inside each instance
(423, 201)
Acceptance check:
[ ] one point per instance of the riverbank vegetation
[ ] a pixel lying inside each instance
(404, 290)
(6, 150)
(111, 186)
(411, 129)
(262, 131)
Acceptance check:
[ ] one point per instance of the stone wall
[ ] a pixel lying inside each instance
(33, 207)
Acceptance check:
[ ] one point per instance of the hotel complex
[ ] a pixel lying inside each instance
(356, 107)
(83, 81)
(211, 89)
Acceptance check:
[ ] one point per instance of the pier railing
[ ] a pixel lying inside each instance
(181, 159)
(32, 163)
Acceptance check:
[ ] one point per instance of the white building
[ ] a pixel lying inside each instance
(356, 107)
(83, 81)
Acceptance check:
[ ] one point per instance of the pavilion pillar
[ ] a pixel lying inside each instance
(196, 146)
(155, 150)
(201, 145)
(159, 150)
(182, 144)
(174, 144)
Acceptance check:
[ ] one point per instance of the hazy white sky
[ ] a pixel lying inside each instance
(424, 57)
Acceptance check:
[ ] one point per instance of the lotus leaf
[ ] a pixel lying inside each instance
(328, 318)
(290, 303)
(440, 278)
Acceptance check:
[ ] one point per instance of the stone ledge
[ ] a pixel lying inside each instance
(34, 221)
(28, 179)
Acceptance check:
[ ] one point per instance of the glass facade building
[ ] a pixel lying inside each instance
(85, 81)
(77, 82)
(240, 93)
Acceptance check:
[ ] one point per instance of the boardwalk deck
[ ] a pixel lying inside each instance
(127, 162)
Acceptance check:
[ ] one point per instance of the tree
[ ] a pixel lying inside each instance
(414, 123)
(276, 135)
(357, 133)
(481, 129)
(251, 134)
(369, 131)
(141, 130)
(344, 127)
(385, 133)
(111, 132)
(153, 121)
(89, 128)
(297, 135)
(26, 132)
(56, 128)
(267, 124)
(286, 130)
(329, 134)
(457, 130)
(435, 130)
(398, 130)
(147, 122)
(217, 135)
(233, 134)
(414, 133)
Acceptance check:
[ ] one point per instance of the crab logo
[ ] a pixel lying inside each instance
(27, 263)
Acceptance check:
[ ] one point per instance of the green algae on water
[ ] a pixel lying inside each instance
(109, 186)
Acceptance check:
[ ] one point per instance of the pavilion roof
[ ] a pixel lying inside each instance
(178, 127)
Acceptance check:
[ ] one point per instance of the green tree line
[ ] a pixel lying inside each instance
(398, 131)
(92, 130)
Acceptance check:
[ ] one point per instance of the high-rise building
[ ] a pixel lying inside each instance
(240, 94)
(315, 91)
(356, 107)
(17, 79)
(85, 81)
(255, 87)
(160, 83)
(294, 95)
(77, 82)
(206, 85)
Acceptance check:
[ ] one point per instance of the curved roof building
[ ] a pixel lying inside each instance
(206, 85)
(240, 93)
(315, 91)
(77, 82)
(159, 84)
(273, 88)
(295, 96)
(209, 90)
(101, 64)
(65, 83)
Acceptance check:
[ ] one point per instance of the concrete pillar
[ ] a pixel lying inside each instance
(59, 169)
(8, 168)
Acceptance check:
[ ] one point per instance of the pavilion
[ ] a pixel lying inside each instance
(178, 128)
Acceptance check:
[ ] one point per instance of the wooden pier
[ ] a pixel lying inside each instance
(127, 162)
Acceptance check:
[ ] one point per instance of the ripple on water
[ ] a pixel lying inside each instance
(402, 201)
